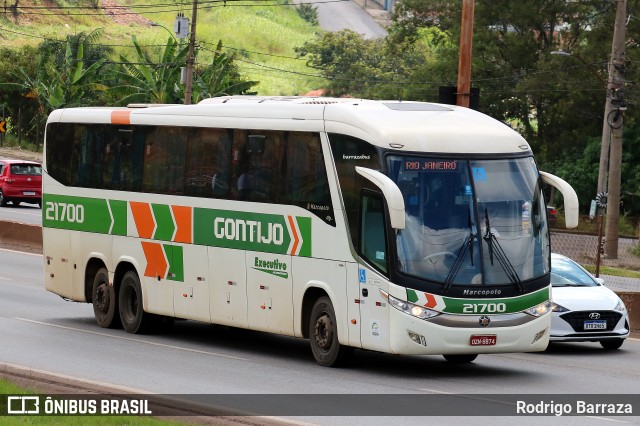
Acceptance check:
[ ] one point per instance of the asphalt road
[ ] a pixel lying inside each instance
(24, 213)
(340, 15)
(43, 332)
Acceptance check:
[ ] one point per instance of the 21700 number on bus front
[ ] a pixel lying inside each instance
(486, 340)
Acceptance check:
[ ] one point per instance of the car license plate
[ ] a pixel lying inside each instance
(595, 325)
(29, 193)
(483, 340)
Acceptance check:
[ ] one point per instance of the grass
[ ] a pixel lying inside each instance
(8, 388)
(262, 37)
(617, 272)
(626, 227)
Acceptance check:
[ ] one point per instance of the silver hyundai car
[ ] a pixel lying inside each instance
(584, 310)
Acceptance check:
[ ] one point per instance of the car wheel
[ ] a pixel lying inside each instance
(611, 344)
(3, 201)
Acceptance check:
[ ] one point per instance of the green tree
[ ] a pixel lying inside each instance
(150, 78)
(356, 66)
(68, 84)
(221, 77)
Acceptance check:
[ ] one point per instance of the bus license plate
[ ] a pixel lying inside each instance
(483, 340)
(29, 193)
(595, 325)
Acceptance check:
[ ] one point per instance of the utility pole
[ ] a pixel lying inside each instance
(191, 55)
(613, 121)
(464, 59)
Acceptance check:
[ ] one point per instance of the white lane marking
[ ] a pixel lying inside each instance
(5, 279)
(132, 339)
(21, 252)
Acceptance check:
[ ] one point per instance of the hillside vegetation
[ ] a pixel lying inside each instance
(261, 35)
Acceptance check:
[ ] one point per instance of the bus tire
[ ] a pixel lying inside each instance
(323, 335)
(104, 300)
(461, 358)
(134, 319)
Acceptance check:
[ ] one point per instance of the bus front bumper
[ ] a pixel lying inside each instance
(468, 334)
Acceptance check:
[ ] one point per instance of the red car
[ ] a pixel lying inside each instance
(20, 182)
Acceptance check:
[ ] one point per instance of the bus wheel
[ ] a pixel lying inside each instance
(460, 359)
(323, 335)
(134, 319)
(105, 302)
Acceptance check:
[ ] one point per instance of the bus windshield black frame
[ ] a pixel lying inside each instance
(471, 223)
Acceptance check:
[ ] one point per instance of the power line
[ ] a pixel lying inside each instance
(172, 8)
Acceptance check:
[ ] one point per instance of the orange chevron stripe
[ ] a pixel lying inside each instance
(431, 301)
(296, 238)
(156, 263)
(184, 223)
(121, 117)
(143, 218)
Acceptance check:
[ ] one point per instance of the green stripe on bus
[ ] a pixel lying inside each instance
(165, 226)
(304, 224)
(176, 262)
(248, 231)
(119, 213)
(270, 233)
(485, 306)
(76, 213)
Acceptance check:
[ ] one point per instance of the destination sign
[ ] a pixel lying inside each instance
(430, 165)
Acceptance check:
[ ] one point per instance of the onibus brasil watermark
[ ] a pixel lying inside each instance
(46, 405)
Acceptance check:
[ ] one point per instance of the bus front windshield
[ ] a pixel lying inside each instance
(471, 222)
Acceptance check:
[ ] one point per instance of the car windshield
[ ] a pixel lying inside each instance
(567, 273)
(479, 222)
(26, 169)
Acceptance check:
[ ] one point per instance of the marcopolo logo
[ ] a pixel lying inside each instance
(273, 267)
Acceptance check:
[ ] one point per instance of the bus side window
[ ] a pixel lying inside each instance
(373, 238)
(208, 162)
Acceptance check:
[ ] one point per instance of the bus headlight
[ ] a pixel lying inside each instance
(409, 308)
(539, 310)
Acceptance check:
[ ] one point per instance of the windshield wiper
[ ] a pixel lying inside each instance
(499, 253)
(467, 245)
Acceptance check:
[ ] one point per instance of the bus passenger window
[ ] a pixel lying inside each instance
(373, 239)
(208, 162)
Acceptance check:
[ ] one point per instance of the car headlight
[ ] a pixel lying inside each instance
(408, 307)
(558, 308)
(620, 306)
(540, 309)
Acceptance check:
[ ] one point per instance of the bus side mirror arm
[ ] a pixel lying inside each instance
(570, 198)
(391, 193)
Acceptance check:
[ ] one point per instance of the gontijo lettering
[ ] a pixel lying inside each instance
(248, 230)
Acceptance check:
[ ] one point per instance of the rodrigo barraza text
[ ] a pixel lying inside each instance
(575, 408)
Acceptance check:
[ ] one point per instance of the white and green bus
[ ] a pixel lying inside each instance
(400, 227)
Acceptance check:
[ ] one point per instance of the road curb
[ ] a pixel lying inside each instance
(21, 236)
